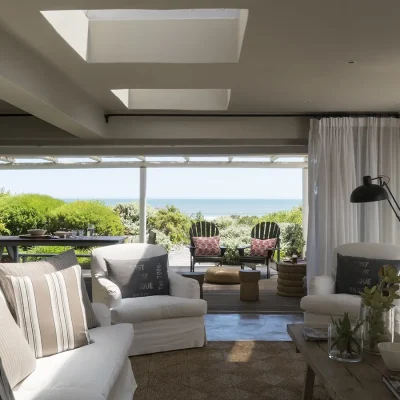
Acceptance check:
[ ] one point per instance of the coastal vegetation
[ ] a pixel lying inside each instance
(18, 213)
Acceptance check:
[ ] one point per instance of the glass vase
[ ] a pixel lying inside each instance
(344, 347)
(378, 326)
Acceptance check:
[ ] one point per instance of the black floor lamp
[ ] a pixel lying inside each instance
(369, 191)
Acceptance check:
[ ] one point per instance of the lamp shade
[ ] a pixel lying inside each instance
(368, 192)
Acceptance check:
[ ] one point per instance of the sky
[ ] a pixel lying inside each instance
(169, 183)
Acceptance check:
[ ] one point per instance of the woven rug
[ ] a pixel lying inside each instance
(226, 298)
(224, 370)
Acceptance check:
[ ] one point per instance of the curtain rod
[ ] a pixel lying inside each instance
(253, 115)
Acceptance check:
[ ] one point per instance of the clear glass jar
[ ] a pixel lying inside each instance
(378, 326)
(344, 347)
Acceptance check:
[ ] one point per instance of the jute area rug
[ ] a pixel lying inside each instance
(224, 370)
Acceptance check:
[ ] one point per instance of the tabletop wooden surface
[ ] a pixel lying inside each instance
(343, 381)
(82, 241)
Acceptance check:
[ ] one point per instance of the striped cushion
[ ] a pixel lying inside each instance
(50, 311)
(18, 360)
(36, 269)
(5, 388)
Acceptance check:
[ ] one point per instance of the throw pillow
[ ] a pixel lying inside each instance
(34, 269)
(140, 278)
(261, 247)
(18, 359)
(207, 246)
(50, 311)
(5, 388)
(354, 273)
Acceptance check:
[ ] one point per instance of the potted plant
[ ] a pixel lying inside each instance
(377, 309)
(344, 340)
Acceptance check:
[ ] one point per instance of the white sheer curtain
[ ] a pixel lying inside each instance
(341, 152)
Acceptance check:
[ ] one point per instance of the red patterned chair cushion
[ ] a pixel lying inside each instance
(260, 247)
(206, 246)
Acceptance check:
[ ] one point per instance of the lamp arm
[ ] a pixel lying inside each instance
(396, 212)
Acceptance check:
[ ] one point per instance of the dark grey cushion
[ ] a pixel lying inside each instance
(140, 278)
(354, 273)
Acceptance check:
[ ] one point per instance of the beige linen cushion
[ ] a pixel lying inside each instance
(36, 269)
(50, 311)
(17, 357)
(5, 388)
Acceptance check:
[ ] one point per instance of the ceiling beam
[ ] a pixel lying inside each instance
(152, 164)
(95, 158)
(7, 159)
(30, 83)
(51, 159)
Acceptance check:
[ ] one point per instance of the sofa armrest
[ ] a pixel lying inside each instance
(102, 313)
(320, 285)
(180, 286)
(106, 292)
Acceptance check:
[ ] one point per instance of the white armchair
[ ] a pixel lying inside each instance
(161, 323)
(322, 302)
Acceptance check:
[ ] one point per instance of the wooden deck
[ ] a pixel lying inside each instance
(226, 299)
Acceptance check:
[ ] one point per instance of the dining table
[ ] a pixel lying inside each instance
(12, 243)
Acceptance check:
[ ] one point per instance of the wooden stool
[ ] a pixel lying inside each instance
(198, 276)
(249, 285)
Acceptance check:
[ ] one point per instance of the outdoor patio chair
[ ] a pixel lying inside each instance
(204, 229)
(263, 230)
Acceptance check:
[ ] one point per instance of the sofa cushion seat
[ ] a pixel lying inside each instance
(332, 304)
(154, 308)
(88, 372)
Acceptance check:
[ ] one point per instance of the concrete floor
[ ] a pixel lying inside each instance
(230, 327)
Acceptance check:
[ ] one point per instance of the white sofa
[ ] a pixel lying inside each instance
(161, 323)
(98, 371)
(322, 302)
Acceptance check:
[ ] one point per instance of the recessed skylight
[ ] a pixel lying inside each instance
(174, 99)
(159, 36)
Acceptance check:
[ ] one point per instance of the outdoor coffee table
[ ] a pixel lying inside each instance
(199, 276)
(343, 381)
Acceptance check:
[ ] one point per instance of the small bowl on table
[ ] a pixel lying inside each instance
(37, 232)
(390, 352)
(63, 234)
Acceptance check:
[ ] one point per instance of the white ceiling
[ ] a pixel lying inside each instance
(293, 59)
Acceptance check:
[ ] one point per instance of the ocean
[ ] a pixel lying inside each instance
(212, 208)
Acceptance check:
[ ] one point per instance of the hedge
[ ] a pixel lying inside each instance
(26, 211)
(79, 214)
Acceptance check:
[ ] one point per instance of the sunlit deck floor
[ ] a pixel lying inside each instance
(226, 299)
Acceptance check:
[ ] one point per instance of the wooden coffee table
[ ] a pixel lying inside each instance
(343, 381)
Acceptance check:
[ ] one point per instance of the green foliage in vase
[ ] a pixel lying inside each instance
(382, 296)
(345, 336)
(378, 301)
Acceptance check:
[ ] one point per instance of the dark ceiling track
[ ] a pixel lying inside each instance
(252, 115)
(15, 115)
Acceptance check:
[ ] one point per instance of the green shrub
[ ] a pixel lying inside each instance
(161, 238)
(171, 222)
(129, 216)
(83, 261)
(292, 241)
(294, 216)
(232, 237)
(79, 214)
(26, 211)
(224, 222)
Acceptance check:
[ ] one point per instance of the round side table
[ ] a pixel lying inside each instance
(291, 278)
(249, 290)
(198, 276)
